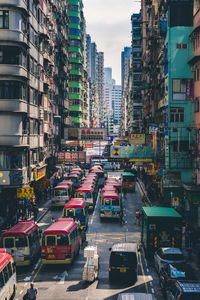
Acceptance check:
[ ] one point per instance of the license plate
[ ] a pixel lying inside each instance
(107, 212)
(123, 270)
(51, 256)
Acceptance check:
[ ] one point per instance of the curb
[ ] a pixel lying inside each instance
(144, 194)
(43, 214)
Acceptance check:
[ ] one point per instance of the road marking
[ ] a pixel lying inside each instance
(152, 290)
(62, 277)
(147, 270)
(36, 274)
(143, 275)
(21, 292)
(151, 283)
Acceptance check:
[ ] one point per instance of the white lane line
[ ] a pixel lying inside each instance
(147, 270)
(152, 290)
(151, 283)
(21, 292)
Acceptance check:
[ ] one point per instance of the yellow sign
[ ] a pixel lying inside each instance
(39, 173)
(141, 159)
(25, 192)
(175, 201)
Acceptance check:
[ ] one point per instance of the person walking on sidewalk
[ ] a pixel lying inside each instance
(137, 217)
(32, 292)
(35, 211)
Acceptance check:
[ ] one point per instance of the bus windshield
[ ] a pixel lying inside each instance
(129, 178)
(58, 193)
(62, 240)
(78, 212)
(88, 194)
(70, 212)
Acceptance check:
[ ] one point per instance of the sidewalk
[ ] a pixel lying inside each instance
(192, 257)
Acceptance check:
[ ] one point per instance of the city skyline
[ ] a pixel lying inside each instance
(103, 30)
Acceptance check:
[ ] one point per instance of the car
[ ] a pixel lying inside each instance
(184, 290)
(123, 263)
(167, 255)
(170, 273)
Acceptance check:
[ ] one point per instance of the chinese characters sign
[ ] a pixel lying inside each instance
(74, 156)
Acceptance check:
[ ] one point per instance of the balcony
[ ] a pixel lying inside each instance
(14, 140)
(41, 141)
(13, 70)
(33, 141)
(13, 36)
(34, 111)
(16, 3)
(13, 105)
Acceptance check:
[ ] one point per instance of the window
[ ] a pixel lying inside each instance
(196, 106)
(9, 269)
(74, 19)
(5, 274)
(182, 146)
(1, 280)
(21, 242)
(4, 19)
(51, 240)
(74, 31)
(177, 114)
(9, 242)
(179, 89)
(181, 46)
(62, 240)
(73, 8)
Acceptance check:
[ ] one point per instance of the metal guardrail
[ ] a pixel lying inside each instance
(145, 197)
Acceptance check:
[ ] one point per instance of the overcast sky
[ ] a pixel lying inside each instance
(109, 24)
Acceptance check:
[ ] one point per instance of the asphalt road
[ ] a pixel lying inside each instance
(61, 282)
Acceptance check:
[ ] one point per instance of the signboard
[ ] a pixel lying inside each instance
(39, 173)
(84, 134)
(155, 169)
(88, 145)
(153, 127)
(25, 192)
(74, 156)
(175, 201)
(136, 139)
(93, 134)
(4, 177)
(133, 153)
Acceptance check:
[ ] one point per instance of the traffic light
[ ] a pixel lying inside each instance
(145, 109)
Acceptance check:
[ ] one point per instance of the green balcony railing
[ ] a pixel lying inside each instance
(77, 119)
(75, 60)
(75, 72)
(75, 26)
(74, 37)
(75, 84)
(74, 14)
(75, 49)
(73, 2)
(73, 96)
(75, 108)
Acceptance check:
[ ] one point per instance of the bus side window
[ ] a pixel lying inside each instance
(1, 242)
(5, 274)
(43, 240)
(30, 240)
(1, 280)
(9, 269)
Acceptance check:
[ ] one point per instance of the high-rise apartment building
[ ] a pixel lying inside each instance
(100, 86)
(116, 107)
(34, 106)
(76, 61)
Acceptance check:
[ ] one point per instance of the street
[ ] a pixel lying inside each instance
(61, 282)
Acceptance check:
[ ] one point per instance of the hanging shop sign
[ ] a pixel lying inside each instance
(88, 145)
(153, 127)
(27, 192)
(39, 173)
(73, 156)
(155, 169)
(84, 134)
(136, 139)
(175, 201)
(133, 153)
(4, 177)
(156, 179)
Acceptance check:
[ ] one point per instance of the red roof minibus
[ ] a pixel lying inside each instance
(77, 208)
(61, 242)
(22, 241)
(7, 275)
(61, 195)
(110, 205)
(86, 191)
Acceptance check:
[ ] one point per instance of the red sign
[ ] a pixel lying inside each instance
(88, 145)
(74, 156)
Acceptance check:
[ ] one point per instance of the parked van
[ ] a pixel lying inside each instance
(123, 262)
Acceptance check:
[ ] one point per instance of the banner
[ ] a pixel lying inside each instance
(74, 156)
(39, 173)
(84, 134)
(134, 153)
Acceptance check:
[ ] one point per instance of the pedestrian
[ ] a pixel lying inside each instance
(77, 222)
(35, 211)
(53, 220)
(137, 216)
(32, 292)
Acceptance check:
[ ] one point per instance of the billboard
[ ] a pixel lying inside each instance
(73, 156)
(84, 134)
(136, 139)
(133, 153)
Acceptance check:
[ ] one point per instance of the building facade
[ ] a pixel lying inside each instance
(34, 105)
